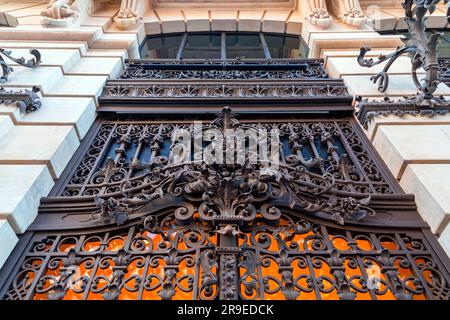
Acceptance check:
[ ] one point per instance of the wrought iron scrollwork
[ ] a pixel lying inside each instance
(26, 100)
(332, 182)
(153, 220)
(158, 257)
(420, 47)
(368, 110)
(237, 69)
(7, 69)
(223, 91)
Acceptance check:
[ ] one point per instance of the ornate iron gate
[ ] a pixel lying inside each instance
(140, 213)
(141, 217)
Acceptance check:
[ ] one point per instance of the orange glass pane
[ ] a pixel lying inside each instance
(116, 244)
(388, 243)
(92, 246)
(340, 243)
(363, 244)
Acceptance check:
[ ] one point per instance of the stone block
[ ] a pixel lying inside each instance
(78, 112)
(122, 54)
(250, 21)
(294, 24)
(12, 6)
(406, 144)
(171, 21)
(40, 33)
(430, 183)
(28, 9)
(320, 40)
(80, 46)
(275, 21)
(223, 20)
(128, 41)
(399, 85)
(103, 22)
(381, 21)
(5, 124)
(197, 20)
(444, 240)
(21, 188)
(110, 67)
(78, 86)
(29, 20)
(8, 240)
(49, 145)
(152, 25)
(11, 111)
(43, 77)
(338, 67)
(64, 58)
(385, 120)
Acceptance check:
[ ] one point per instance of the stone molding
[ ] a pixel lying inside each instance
(318, 12)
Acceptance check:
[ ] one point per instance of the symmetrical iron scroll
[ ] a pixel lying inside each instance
(26, 100)
(291, 205)
(328, 155)
(421, 48)
(144, 217)
(444, 65)
(235, 69)
(368, 110)
(177, 255)
(225, 82)
(7, 69)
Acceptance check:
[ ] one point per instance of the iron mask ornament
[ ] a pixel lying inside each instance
(420, 47)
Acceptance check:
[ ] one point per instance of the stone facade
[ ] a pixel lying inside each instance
(85, 42)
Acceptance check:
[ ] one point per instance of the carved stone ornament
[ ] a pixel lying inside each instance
(347, 11)
(420, 47)
(318, 13)
(130, 13)
(60, 13)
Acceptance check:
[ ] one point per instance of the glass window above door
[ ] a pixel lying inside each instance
(223, 45)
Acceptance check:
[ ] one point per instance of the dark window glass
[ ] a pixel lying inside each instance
(444, 47)
(244, 45)
(209, 46)
(161, 47)
(283, 46)
(202, 46)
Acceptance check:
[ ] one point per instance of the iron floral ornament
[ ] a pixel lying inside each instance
(420, 47)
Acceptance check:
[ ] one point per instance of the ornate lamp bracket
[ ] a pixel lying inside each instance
(7, 69)
(421, 48)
